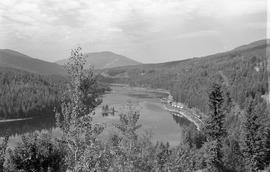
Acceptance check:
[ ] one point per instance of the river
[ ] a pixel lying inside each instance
(153, 117)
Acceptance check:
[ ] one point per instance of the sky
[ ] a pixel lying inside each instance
(149, 31)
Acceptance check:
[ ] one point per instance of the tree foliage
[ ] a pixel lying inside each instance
(37, 152)
(255, 137)
(24, 94)
(128, 149)
(3, 148)
(214, 128)
(75, 120)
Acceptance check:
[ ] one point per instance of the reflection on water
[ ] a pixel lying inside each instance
(148, 94)
(181, 121)
(30, 125)
(106, 110)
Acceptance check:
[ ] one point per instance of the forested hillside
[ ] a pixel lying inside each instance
(242, 70)
(24, 94)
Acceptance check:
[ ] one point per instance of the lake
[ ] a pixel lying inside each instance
(153, 117)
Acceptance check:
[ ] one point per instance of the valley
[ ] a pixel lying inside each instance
(134, 86)
(173, 108)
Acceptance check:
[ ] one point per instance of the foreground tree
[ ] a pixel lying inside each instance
(232, 158)
(37, 152)
(214, 129)
(75, 120)
(3, 148)
(128, 146)
(255, 137)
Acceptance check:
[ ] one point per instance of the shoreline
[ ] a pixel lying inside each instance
(188, 117)
(13, 120)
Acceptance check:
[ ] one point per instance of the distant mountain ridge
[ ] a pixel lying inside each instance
(13, 59)
(105, 59)
(262, 44)
(253, 45)
(110, 61)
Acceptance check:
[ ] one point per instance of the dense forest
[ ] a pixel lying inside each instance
(24, 94)
(242, 71)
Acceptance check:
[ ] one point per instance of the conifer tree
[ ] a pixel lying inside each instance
(214, 128)
(255, 137)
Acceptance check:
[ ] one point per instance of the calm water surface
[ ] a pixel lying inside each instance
(163, 126)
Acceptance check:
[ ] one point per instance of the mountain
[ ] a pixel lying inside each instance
(17, 60)
(253, 45)
(256, 48)
(242, 70)
(105, 59)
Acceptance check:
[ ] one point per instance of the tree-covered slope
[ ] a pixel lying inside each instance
(243, 70)
(25, 94)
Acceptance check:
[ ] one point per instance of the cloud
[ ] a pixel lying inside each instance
(112, 24)
(4, 17)
(204, 33)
